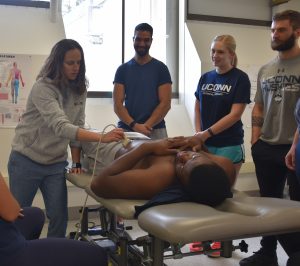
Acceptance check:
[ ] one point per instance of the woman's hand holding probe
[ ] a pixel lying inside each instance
(113, 135)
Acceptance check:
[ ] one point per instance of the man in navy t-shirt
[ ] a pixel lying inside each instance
(143, 89)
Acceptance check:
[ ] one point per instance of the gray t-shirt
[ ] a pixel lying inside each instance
(278, 89)
(51, 119)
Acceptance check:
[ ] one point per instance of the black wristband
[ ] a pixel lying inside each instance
(211, 133)
(76, 165)
(132, 124)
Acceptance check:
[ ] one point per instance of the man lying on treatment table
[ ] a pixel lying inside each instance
(144, 168)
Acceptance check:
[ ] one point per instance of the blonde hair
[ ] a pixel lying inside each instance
(230, 44)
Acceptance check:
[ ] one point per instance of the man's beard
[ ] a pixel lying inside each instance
(143, 51)
(284, 46)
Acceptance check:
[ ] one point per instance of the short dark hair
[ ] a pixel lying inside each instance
(144, 27)
(291, 15)
(208, 184)
(53, 67)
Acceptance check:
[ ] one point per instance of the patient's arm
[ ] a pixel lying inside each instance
(134, 155)
(140, 173)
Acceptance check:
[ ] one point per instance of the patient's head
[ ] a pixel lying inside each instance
(207, 178)
(208, 184)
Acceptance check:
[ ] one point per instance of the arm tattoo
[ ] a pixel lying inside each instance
(257, 121)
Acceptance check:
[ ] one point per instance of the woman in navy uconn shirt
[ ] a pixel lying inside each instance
(221, 98)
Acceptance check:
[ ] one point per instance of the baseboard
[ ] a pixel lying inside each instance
(247, 167)
(252, 193)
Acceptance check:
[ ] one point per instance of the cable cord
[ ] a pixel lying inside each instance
(93, 174)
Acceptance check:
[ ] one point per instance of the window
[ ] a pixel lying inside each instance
(105, 29)
(29, 3)
(97, 26)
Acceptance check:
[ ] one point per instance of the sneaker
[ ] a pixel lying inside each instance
(197, 246)
(260, 258)
(216, 254)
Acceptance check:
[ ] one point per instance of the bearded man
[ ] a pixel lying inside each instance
(273, 128)
(144, 84)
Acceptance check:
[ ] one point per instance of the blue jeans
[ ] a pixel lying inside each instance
(27, 176)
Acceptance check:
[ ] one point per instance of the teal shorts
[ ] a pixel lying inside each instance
(234, 153)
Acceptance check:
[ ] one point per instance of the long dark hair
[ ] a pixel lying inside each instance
(53, 67)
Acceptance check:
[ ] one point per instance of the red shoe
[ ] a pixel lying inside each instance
(216, 254)
(197, 246)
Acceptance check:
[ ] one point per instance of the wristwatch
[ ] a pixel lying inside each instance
(76, 165)
(132, 124)
(211, 133)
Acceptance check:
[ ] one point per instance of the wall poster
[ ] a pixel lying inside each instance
(17, 75)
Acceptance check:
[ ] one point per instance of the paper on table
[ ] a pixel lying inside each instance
(135, 135)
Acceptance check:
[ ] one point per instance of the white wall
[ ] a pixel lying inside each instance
(291, 4)
(27, 30)
(254, 9)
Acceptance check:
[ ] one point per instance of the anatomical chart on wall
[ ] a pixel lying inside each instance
(16, 79)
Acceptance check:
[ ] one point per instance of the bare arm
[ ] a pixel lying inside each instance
(113, 135)
(197, 116)
(227, 121)
(119, 108)
(128, 177)
(257, 122)
(164, 95)
(290, 158)
(9, 207)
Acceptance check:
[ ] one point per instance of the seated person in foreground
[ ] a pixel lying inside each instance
(20, 244)
(143, 169)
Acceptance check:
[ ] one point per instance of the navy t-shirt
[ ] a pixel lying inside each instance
(216, 94)
(141, 84)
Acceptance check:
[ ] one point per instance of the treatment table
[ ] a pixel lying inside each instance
(171, 226)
